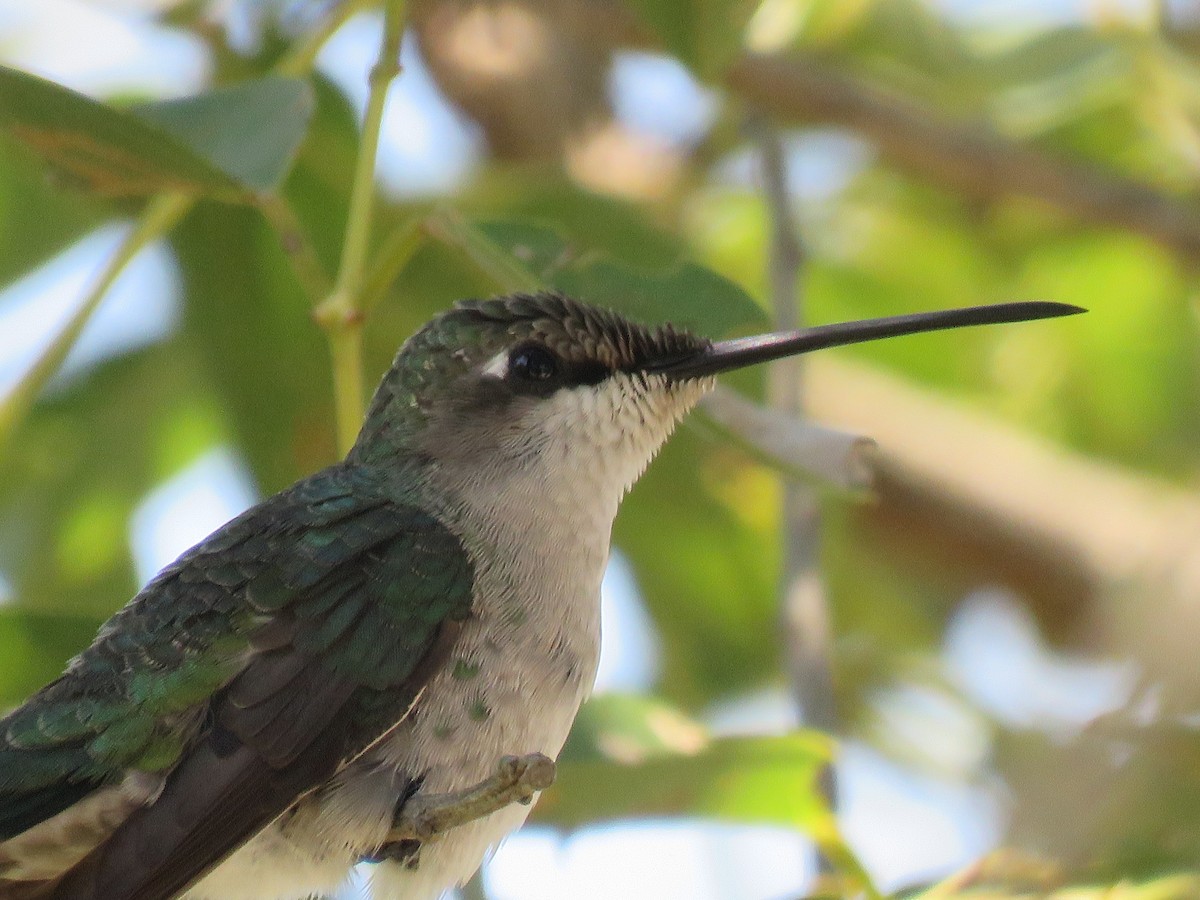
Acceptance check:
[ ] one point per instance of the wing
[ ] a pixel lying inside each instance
(240, 678)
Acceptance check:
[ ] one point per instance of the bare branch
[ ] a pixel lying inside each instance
(963, 494)
(798, 447)
(969, 159)
(803, 606)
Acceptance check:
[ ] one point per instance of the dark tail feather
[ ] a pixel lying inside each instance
(20, 812)
(57, 839)
(213, 803)
(27, 890)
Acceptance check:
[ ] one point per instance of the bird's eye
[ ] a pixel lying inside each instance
(533, 363)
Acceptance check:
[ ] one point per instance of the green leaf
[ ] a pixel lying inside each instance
(111, 152)
(251, 131)
(704, 34)
(687, 294)
(229, 144)
(63, 216)
(630, 728)
(88, 454)
(632, 756)
(619, 228)
(636, 757)
(760, 779)
(507, 270)
(250, 324)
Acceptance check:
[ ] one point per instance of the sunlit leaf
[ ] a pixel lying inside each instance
(631, 728)
(765, 780)
(637, 757)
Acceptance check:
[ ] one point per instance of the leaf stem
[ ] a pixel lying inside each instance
(397, 249)
(300, 58)
(159, 217)
(340, 314)
(447, 226)
(294, 241)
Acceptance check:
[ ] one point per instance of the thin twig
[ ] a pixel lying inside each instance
(397, 249)
(160, 216)
(798, 448)
(296, 245)
(341, 312)
(299, 60)
(803, 605)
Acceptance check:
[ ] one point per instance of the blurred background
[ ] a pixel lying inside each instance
(1001, 632)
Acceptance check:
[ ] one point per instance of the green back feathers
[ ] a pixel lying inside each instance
(330, 574)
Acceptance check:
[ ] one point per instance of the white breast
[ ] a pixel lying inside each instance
(517, 675)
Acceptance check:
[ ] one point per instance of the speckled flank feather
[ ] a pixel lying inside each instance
(434, 599)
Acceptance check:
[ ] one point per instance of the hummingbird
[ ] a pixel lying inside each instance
(383, 633)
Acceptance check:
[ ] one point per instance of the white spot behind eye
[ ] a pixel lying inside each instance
(497, 366)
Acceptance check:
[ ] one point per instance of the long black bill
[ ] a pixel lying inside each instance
(725, 355)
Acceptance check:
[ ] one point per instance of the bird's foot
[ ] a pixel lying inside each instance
(427, 817)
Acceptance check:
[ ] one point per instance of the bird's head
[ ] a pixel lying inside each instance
(545, 387)
(532, 382)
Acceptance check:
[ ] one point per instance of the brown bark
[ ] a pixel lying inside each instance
(532, 73)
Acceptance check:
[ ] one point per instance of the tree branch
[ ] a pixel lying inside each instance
(803, 606)
(799, 448)
(960, 493)
(969, 159)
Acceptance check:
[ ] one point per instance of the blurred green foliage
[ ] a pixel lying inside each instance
(248, 368)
